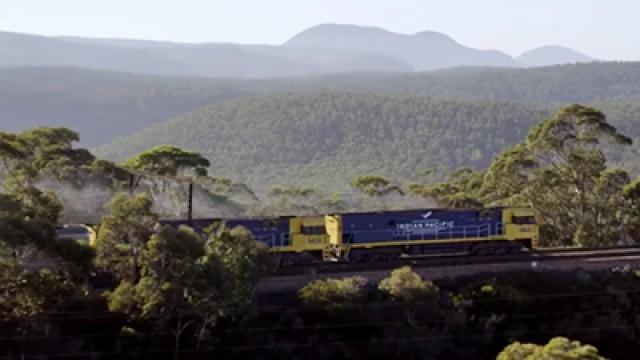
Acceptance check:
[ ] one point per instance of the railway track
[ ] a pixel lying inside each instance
(288, 282)
(538, 256)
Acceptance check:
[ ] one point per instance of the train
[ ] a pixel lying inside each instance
(374, 236)
(386, 235)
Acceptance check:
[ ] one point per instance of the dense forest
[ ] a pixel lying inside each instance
(326, 138)
(102, 105)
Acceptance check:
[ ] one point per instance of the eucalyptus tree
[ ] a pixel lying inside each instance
(608, 206)
(123, 234)
(168, 160)
(223, 186)
(376, 187)
(28, 292)
(38, 273)
(561, 171)
(188, 282)
(44, 151)
(243, 260)
(170, 286)
(458, 191)
(171, 175)
(28, 221)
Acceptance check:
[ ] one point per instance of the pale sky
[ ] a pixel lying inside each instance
(604, 29)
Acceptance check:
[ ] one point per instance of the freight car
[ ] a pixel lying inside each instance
(384, 235)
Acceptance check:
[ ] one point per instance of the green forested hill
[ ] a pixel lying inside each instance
(328, 137)
(301, 137)
(103, 105)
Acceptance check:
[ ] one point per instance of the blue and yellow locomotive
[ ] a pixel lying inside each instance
(385, 235)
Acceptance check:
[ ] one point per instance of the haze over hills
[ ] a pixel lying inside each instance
(103, 105)
(553, 55)
(323, 49)
(560, 84)
(157, 58)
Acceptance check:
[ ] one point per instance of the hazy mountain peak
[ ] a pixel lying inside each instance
(433, 35)
(341, 28)
(553, 55)
(323, 32)
(339, 36)
(426, 50)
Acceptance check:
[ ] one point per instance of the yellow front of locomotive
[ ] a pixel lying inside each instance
(522, 225)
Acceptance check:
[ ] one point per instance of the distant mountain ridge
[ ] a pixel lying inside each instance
(158, 58)
(322, 49)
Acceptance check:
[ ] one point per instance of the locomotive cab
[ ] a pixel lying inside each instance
(320, 235)
(521, 225)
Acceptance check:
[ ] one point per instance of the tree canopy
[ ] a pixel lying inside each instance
(558, 348)
(43, 152)
(123, 234)
(373, 185)
(168, 160)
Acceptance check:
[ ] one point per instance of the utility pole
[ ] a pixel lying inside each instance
(190, 216)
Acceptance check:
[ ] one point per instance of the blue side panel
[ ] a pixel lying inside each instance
(430, 224)
(270, 231)
(197, 224)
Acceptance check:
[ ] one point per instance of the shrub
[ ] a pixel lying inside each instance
(406, 285)
(558, 348)
(333, 293)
